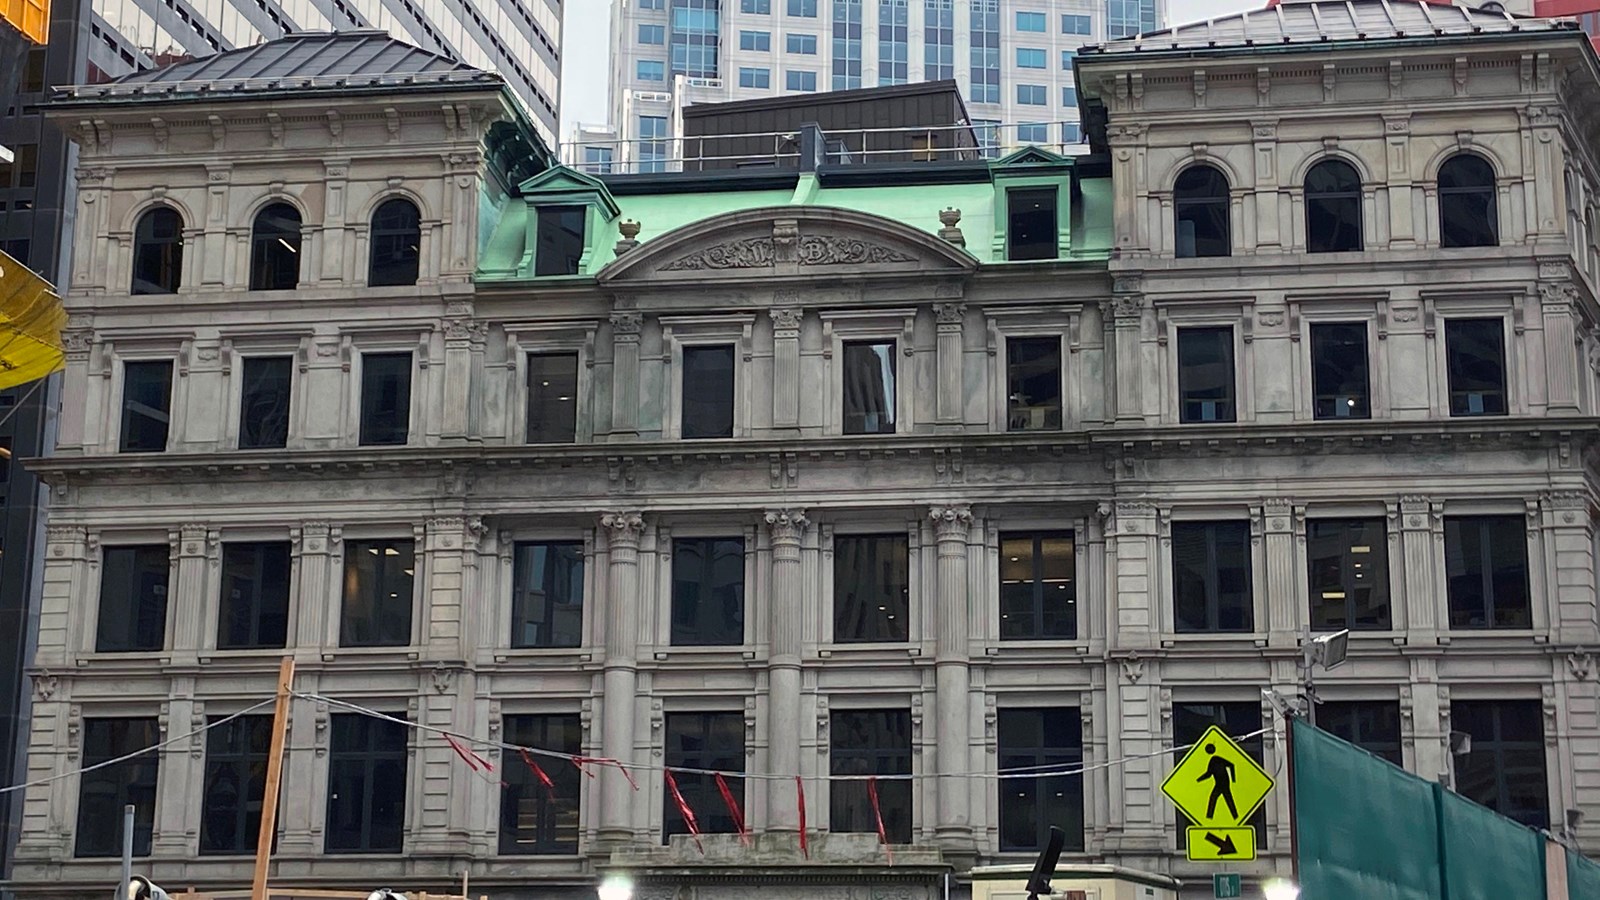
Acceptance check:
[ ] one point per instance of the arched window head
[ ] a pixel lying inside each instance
(1333, 207)
(396, 241)
(275, 249)
(158, 252)
(1200, 204)
(1468, 216)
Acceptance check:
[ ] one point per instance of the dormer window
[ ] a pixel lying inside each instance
(1031, 223)
(560, 240)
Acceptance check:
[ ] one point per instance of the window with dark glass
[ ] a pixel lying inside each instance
(713, 741)
(547, 594)
(1372, 725)
(1486, 565)
(1200, 206)
(133, 599)
(146, 406)
(1339, 370)
(275, 249)
(552, 398)
(1031, 223)
(1190, 720)
(377, 594)
(1475, 352)
(1505, 769)
(535, 819)
(264, 402)
(869, 389)
(1211, 576)
(385, 398)
(1348, 567)
(707, 591)
(1038, 590)
(560, 240)
(1033, 384)
(1030, 739)
(708, 391)
(103, 792)
(158, 252)
(255, 596)
(396, 239)
(1468, 216)
(870, 742)
(871, 588)
(367, 762)
(1205, 375)
(1333, 207)
(235, 784)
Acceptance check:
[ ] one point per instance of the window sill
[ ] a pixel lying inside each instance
(408, 653)
(1033, 646)
(882, 649)
(1254, 639)
(544, 655)
(136, 657)
(729, 653)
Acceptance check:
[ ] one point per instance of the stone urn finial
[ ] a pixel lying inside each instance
(630, 234)
(950, 217)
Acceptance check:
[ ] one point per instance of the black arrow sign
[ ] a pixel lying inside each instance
(1224, 845)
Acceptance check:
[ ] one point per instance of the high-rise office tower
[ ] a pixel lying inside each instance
(519, 39)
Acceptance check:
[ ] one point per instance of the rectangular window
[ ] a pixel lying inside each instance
(597, 160)
(652, 144)
(1372, 725)
(652, 34)
(1067, 56)
(755, 78)
(847, 16)
(802, 9)
(1031, 216)
(146, 406)
(535, 819)
(27, 165)
(801, 43)
(755, 40)
(984, 30)
(1486, 562)
(1339, 370)
(367, 762)
(1071, 133)
(652, 4)
(1125, 18)
(871, 588)
(385, 399)
(870, 742)
(707, 592)
(1348, 570)
(1033, 383)
(696, 36)
(1211, 577)
(1069, 97)
(1476, 351)
(987, 134)
(264, 402)
(255, 596)
(1038, 587)
(1030, 21)
(708, 391)
(712, 741)
(1030, 94)
(103, 792)
(561, 239)
(1035, 738)
(938, 39)
(894, 42)
(1033, 133)
(756, 7)
(1030, 58)
(1205, 375)
(377, 594)
(1190, 720)
(552, 398)
(235, 784)
(133, 600)
(869, 388)
(1072, 24)
(1505, 769)
(796, 80)
(651, 70)
(547, 594)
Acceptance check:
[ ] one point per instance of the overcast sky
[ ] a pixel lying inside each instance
(587, 41)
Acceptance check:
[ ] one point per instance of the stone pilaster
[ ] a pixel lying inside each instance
(316, 625)
(1133, 538)
(464, 338)
(76, 340)
(1424, 601)
(1578, 680)
(1570, 580)
(1562, 352)
(787, 527)
(63, 594)
(786, 367)
(91, 248)
(186, 597)
(305, 765)
(1127, 324)
(949, 358)
(1282, 589)
(335, 246)
(46, 834)
(450, 547)
(952, 524)
(623, 531)
(1397, 136)
(181, 770)
(1264, 135)
(625, 328)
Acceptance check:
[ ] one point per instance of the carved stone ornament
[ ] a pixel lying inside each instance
(951, 522)
(820, 250)
(622, 526)
(1127, 306)
(762, 253)
(746, 253)
(626, 323)
(950, 313)
(44, 685)
(786, 525)
(1133, 668)
(1581, 664)
(785, 319)
(1560, 293)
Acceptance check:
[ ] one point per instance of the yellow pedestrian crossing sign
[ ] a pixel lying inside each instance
(1219, 787)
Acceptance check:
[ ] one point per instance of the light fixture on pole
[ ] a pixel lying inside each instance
(1328, 651)
(616, 887)
(1280, 889)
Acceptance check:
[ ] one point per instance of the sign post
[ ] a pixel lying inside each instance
(1225, 887)
(1219, 787)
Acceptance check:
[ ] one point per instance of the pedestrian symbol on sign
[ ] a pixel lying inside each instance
(1219, 787)
(1220, 772)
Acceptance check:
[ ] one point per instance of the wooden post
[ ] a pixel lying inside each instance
(269, 801)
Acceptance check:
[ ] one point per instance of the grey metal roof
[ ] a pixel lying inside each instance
(1299, 22)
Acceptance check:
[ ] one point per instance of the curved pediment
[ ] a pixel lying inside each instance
(780, 241)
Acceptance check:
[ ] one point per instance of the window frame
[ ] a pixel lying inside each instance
(134, 776)
(173, 404)
(1240, 389)
(369, 758)
(1062, 323)
(527, 408)
(1041, 754)
(1186, 519)
(699, 791)
(1040, 598)
(372, 233)
(1492, 189)
(416, 388)
(241, 762)
(1508, 362)
(678, 332)
(1379, 552)
(1005, 361)
(586, 239)
(747, 621)
(1181, 202)
(523, 338)
(757, 39)
(564, 778)
(93, 629)
(1532, 578)
(148, 214)
(1368, 362)
(874, 758)
(840, 327)
(299, 250)
(417, 611)
(913, 612)
(1043, 19)
(1003, 199)
(291, 573)
(1354, 706)
(510, 542)
(1497, 745)
(243, 362)
(1360, 198)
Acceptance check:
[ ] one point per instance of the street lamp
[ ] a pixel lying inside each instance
(1280, 889)
(616, 887)
(1328, 651)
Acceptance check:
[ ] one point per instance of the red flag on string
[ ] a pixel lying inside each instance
(604, 761)
(549, 786)
(800, 796)
(683, 808)
(733, 809)
(474, 762)
(877, 814)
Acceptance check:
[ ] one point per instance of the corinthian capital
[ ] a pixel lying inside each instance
(951, 522)
(786, 525)
(622, 527)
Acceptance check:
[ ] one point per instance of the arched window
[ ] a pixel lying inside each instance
(396, 238)
(1333, 207)
(275, 249)
(1468, 216)
(1200, 202)
(158, 252)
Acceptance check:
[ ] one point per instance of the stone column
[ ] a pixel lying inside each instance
(786, 369)
(625, 327)
(948, 357)
(951, 526)
(1422, 602)
(622, 530)
(787, 527)
(186, 596)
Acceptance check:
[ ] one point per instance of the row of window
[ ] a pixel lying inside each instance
(369, 761)
(1037, 94)
(1027, 22)
(1347, 571)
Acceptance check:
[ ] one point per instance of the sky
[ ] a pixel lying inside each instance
(586, 44)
